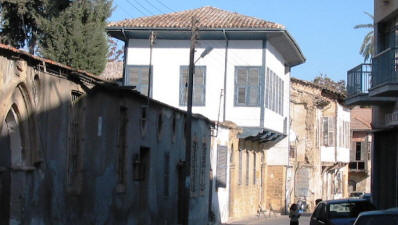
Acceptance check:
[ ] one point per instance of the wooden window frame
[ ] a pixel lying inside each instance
(184, 87)
(139, 85)
(247, 87)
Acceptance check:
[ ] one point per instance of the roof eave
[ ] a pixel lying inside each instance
(294, 54)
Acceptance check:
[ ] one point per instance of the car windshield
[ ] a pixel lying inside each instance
(379, 219)
(348, 209)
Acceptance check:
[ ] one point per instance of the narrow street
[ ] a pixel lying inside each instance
(280, 220)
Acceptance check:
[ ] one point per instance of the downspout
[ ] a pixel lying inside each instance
(124, 57)
(225, 73)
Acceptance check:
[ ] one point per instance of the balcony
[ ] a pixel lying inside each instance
(359, 84)
(385, 73)
(357, 166)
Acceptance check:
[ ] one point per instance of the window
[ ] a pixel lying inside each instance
(160, 125)
(138, 76)
(166, 170)
(328, 131)
(240, 167)
(203, 168)
(247, 86)
(143, 120)
(222, 153)
(358, 151)
(247, 167)
(274, 92)
(254, 168)
(121, 172)
(199, 86)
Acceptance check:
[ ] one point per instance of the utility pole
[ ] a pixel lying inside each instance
(188, 124)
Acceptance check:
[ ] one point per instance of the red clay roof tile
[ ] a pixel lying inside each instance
(209, 17)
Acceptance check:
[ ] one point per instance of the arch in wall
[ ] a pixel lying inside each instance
(17, 141)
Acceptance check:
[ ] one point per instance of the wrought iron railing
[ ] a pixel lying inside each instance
(385, 67)
(359, 79)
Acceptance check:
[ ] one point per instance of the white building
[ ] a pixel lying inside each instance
(242, 75)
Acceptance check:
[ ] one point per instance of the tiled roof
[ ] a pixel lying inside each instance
(113, 71)
(361, 118)
(209, 18)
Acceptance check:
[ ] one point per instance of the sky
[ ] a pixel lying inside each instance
(323, 29)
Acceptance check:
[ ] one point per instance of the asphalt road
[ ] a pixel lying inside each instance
(279, 220)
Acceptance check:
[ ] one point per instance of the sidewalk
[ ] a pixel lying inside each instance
(272, 220)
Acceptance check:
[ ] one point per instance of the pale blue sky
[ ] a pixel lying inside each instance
(322, 28)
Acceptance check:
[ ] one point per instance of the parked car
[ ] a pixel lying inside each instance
(378, 217)
(339, 212)
(356, 194)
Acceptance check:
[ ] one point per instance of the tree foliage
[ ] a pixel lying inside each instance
(71, 32)
(367, 46)
(77, 36)
(324, 81)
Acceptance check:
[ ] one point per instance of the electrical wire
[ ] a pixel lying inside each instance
(164, 5)
(142, 6)
(153, 6)
(139, 10)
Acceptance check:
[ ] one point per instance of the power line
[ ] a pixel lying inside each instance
(164, 5)
(149, 11)
(124, 10)
(161, 11)
(139, 10)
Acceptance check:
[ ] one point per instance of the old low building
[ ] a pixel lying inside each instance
(76, 149)
(361, 146)
(319, 143)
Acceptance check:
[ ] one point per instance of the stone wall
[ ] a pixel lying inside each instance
(79, 150)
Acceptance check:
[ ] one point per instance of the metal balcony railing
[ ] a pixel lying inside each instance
(359, 79)
(385, 67)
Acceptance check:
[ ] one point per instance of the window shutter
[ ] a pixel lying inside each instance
(325, 131)
(222, 153)
(332, 130)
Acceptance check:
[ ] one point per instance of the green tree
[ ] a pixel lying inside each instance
(20, 20)
(76, 37)
(324, 81)
(367, 46)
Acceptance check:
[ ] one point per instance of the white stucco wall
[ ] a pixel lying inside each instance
(328, 154)
(169, 55)
(220, 197)
(343, 115)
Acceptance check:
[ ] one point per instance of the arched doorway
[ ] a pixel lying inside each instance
(12, 176)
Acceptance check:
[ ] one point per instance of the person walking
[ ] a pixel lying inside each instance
(294, 214)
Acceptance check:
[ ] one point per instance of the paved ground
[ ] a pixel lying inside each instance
(279, 220)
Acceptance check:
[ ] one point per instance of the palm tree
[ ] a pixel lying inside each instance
(367, 46)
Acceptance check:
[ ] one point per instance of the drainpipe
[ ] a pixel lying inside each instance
(225, 72)
(125, 56)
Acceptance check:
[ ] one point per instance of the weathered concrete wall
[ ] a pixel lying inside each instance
(313, 165)
(71, 154)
